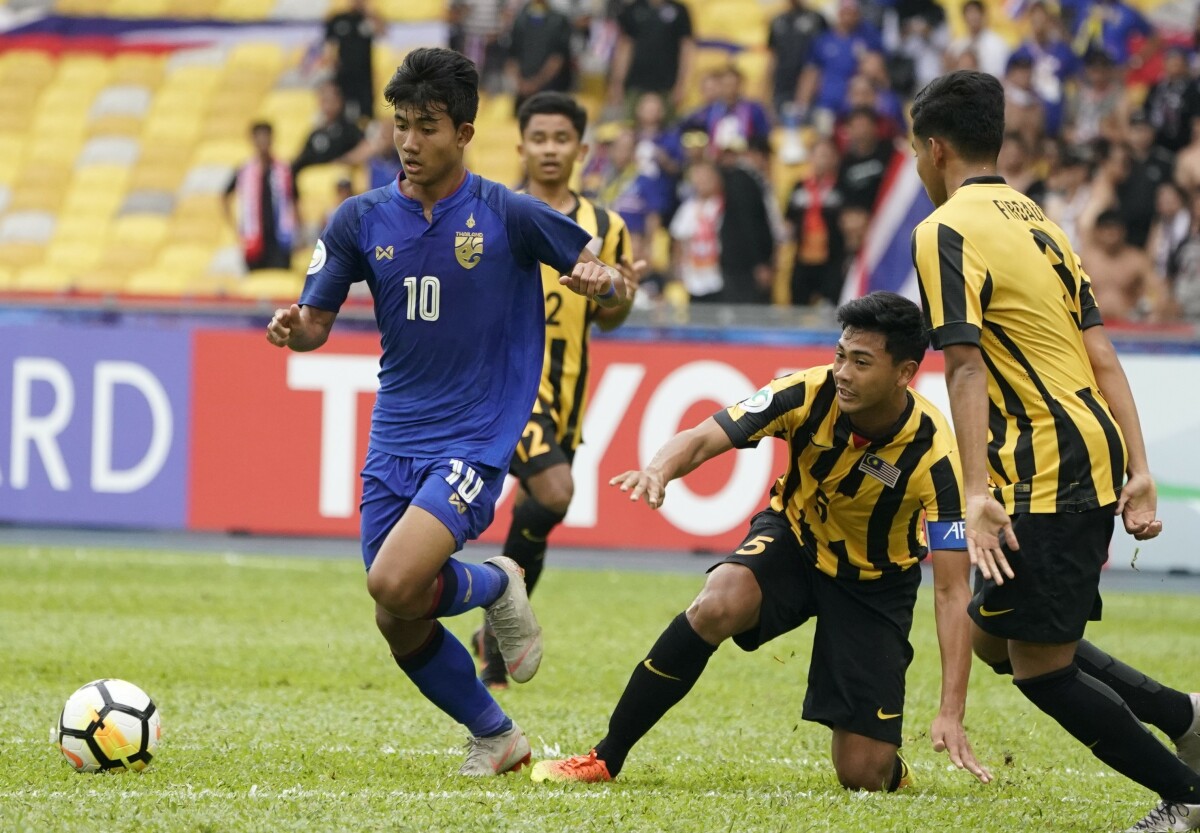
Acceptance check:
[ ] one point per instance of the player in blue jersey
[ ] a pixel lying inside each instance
(452, 261)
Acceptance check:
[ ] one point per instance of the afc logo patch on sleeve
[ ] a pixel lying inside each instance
(759, 402)
(317, 263)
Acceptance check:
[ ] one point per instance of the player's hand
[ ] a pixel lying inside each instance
(639, 483)
(986, 521)
(949, 736)
(632, 272)
(279, 331)
(1138, 506)
(593, 278)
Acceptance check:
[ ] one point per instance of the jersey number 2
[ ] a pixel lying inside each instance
(429, 303)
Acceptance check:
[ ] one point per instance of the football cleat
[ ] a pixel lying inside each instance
(491, 662)
(1169, 817)
(906, 776)
(511, 618)
(1187, 747)
(505, 752)
(587, 768)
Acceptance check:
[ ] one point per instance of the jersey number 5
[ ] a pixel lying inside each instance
(424, 298)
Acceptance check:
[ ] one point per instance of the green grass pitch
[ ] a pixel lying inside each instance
(282, 711)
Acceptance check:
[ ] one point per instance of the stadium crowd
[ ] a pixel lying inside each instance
(1103, 131)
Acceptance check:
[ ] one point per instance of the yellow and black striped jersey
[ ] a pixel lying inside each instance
(856, 504)
(996, 273)
(563, 392)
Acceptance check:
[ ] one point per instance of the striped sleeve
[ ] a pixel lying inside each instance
(1089, 312)
(944, 501)
(953, 280)
(774, 410)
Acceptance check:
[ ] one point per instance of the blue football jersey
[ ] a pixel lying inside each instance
(459, 306)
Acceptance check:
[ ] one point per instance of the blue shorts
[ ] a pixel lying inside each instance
(461, 495)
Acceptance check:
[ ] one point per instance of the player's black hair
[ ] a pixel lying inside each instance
(258, 126)
(551, 103)
(436, 80)
(976, 3)
(898, 319)
(966, 109)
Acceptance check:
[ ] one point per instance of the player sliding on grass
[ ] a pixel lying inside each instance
(840, 542)
(1040, 404)
(552, 127)
(452, 262)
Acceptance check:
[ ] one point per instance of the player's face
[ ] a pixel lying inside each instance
(866, 375)
(935, 187)
(550, 147)
(430, 146)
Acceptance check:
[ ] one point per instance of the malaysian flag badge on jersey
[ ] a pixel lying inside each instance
(880, 469)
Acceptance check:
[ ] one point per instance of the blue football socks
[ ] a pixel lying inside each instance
(465, 586)
(445, 673)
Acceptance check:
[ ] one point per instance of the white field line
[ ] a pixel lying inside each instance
(191, 560)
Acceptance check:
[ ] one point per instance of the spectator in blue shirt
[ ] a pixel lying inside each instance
(731, 115)
(835, 58)
(1053, 63)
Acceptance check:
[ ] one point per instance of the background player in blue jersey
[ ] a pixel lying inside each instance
(452, 261)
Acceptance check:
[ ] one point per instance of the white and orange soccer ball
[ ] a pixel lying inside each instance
(108, 725)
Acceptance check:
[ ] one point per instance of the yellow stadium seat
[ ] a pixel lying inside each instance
(90, 8)
(97, 206)
(80, 229)
(179, 132)
(42, 278)
(35, 198)
(82, 69)
(243, 9)
(184, 259)
(139, 230)
(27, 67)
(192, 77)
(203, 230)
(190, 8)
(137, 68)
(100, 278)
(265, 59)
(412, 10)
(73, 256)
(153, 281)
(6, 278)
(137, 8)
(284, 105)
(54, 149)
(156, 176)
(221, 151)
(115, 126)
(16, 255)
(266, 284)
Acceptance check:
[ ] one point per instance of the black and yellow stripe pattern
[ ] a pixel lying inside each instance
(995, 273)
(855, 504)
(563, 391)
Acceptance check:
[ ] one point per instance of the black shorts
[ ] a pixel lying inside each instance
(860, 650)
(1056, 591)
(538, 449)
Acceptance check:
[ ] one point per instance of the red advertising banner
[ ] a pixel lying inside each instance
(278, 439)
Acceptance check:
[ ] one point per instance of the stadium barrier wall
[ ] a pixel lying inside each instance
(145, 424)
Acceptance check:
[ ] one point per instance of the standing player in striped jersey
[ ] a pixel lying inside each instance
(1040, 403)
(839, 542)
(552, 127)
(451, 260)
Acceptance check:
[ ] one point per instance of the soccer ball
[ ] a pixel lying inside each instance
(108, 724)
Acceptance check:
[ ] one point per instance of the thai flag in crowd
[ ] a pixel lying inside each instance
(885, 261)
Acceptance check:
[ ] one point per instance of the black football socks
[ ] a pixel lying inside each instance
(532, 524)
(1096, 717)
(659, 681)
(1162, 707)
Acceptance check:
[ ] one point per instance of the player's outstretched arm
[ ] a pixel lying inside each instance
(681, 454)
(595, 280)
(986, 520)
(952, 592)
(1138, 505)
(300, 328)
